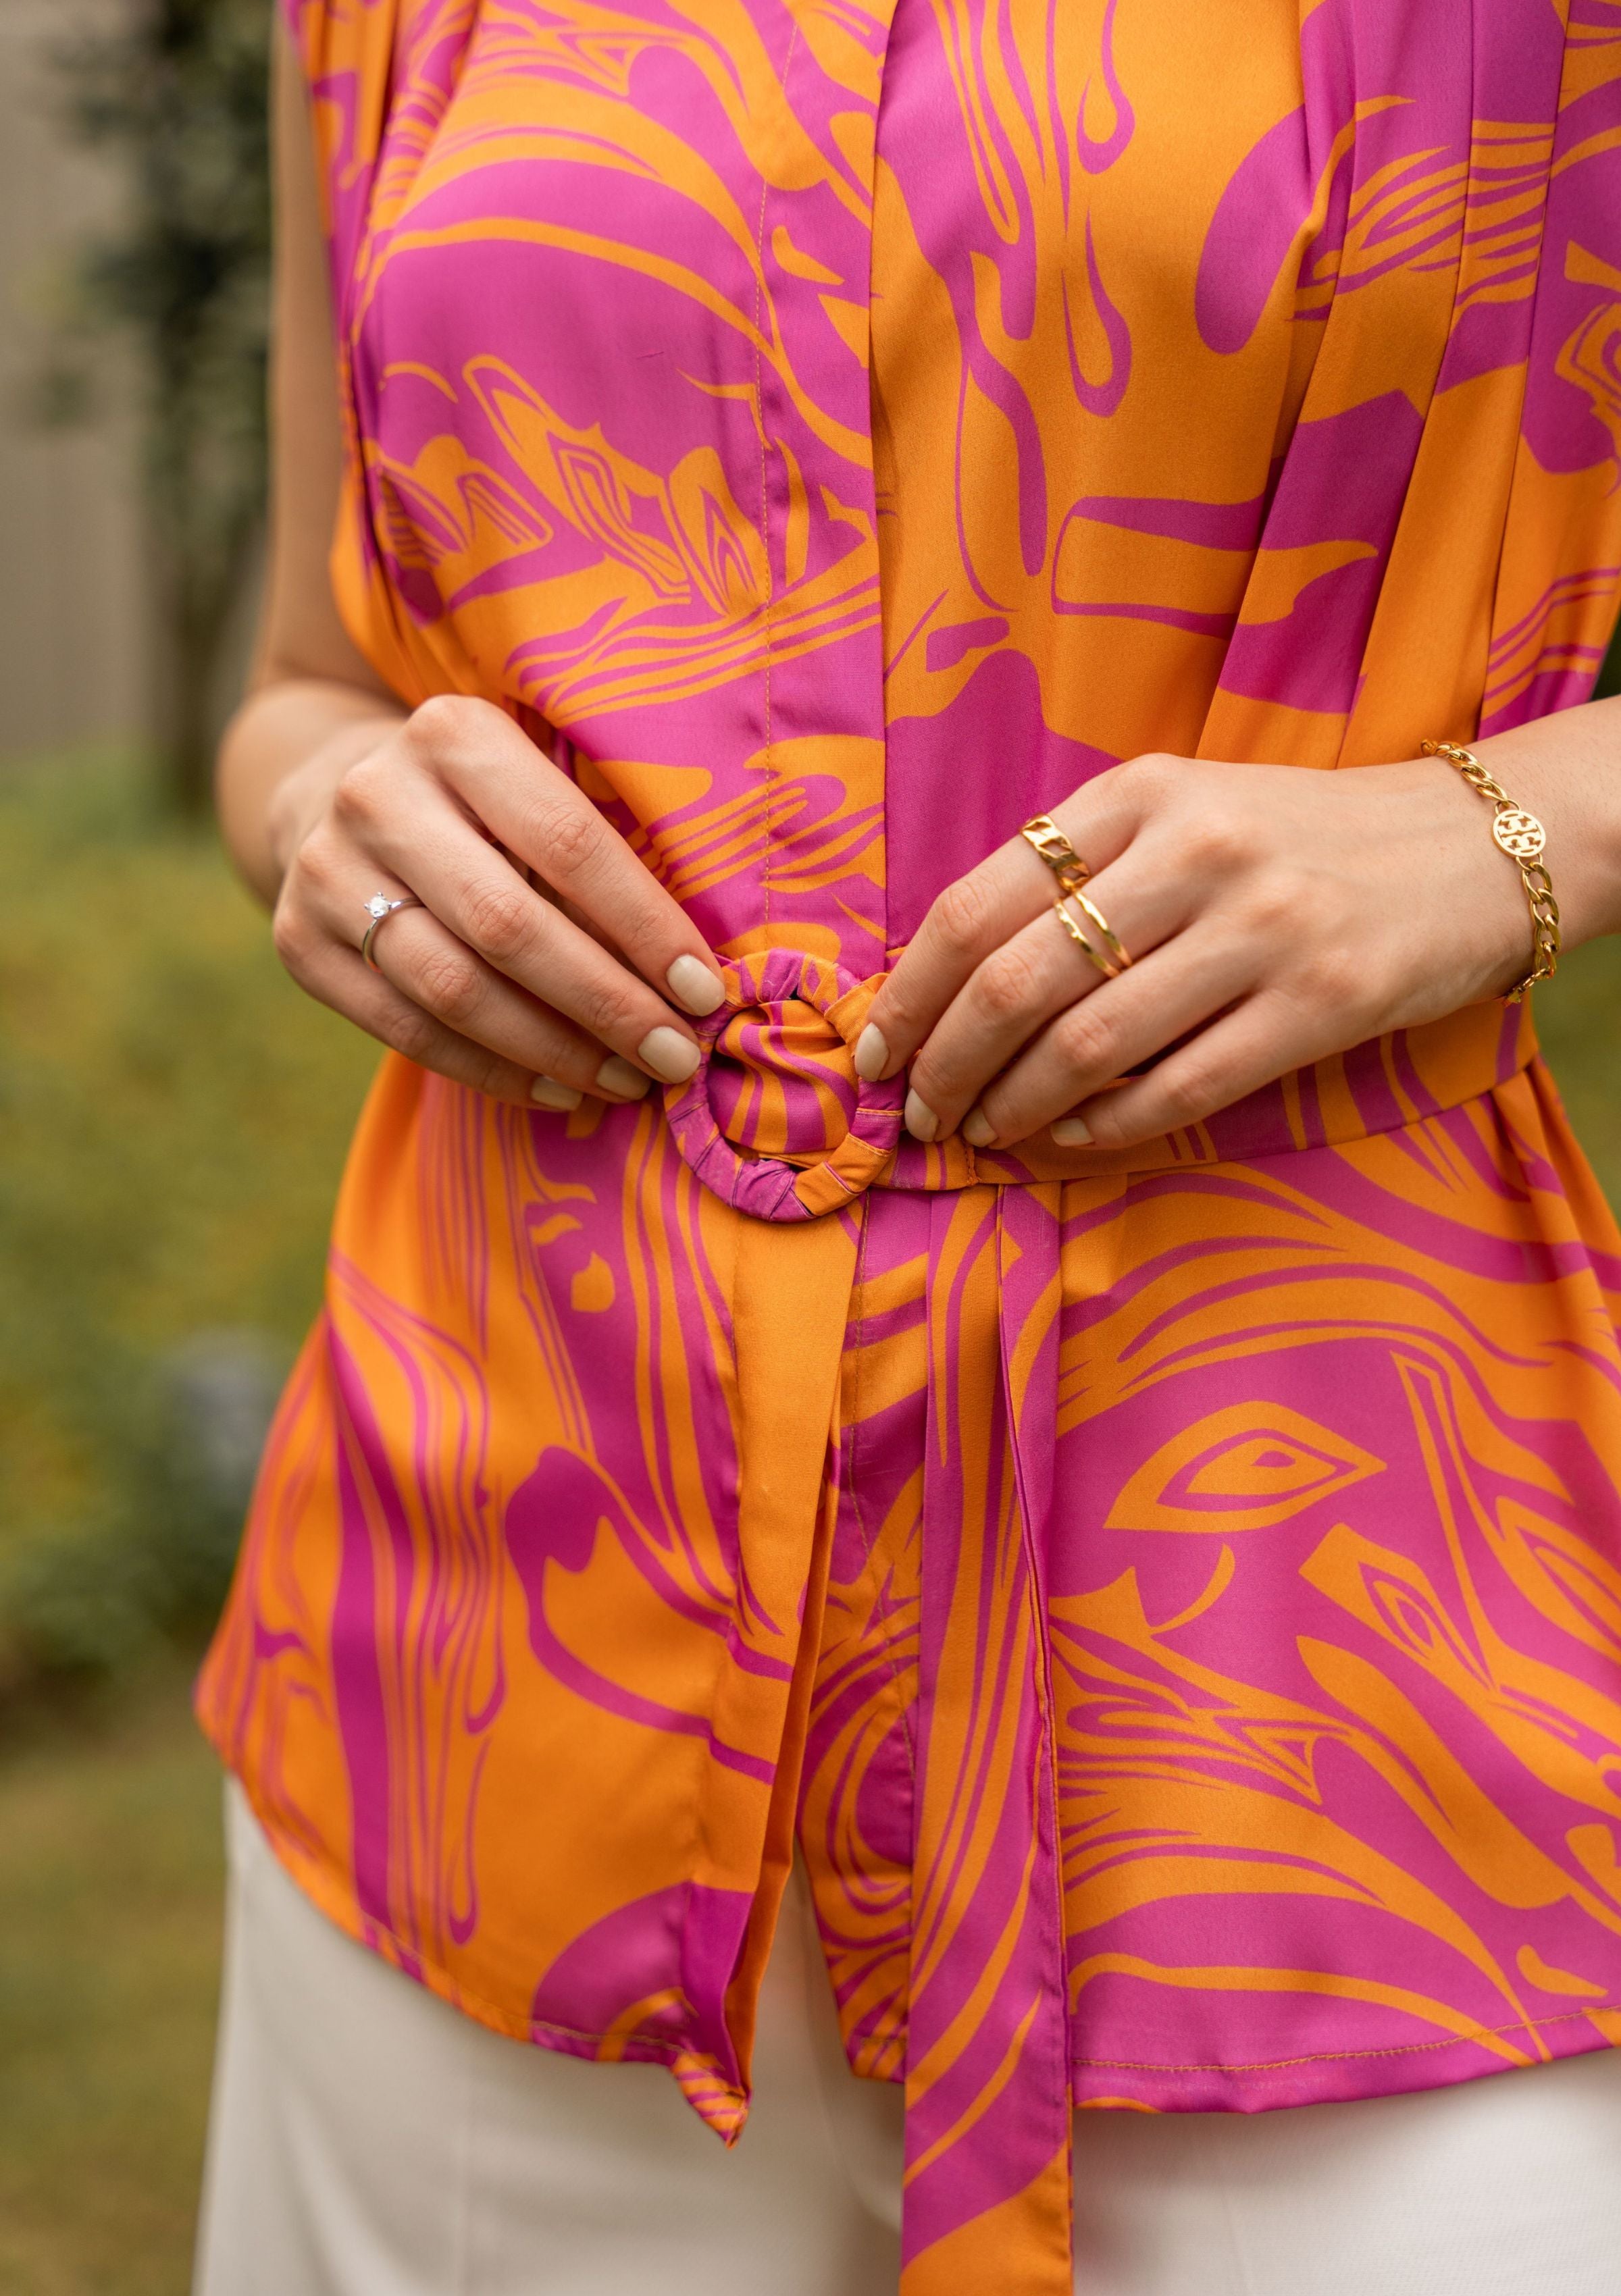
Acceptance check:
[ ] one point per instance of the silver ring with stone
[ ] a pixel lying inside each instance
(379, 908)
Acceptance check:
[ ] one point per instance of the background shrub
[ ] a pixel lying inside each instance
(173, 1116)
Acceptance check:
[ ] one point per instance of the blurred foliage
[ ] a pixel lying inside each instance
(178, 93)
(110, 1903)
(1609, 680)
(173, 1117)
(1578, 1018)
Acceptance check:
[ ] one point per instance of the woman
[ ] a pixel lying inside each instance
(957, 1264)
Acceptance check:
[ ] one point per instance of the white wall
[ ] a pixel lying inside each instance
(72, 655)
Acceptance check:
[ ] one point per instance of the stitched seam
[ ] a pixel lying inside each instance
(765, 506)
(1350, 2056)
(1538, 284)
(668, 2051)
(902, 1710)
(765, 536)
(1047, 1773)
(335, 1907)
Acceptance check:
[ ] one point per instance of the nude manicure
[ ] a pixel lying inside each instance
(871, 1057)
(546, 1091)
(669, 1055)
(693, 986)
(618, 1076)
(920, 1118)
(977, 1128)
(1070, 1132)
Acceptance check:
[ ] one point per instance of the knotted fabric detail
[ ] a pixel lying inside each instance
(775, 1121)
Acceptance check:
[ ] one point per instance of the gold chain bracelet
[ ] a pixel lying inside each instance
(1522, 837)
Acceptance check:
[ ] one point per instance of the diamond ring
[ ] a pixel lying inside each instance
(379, 907)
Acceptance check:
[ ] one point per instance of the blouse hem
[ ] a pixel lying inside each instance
(1331, 2077)
(1322, 2077)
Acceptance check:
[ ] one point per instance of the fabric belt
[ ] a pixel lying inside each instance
(777, 1124)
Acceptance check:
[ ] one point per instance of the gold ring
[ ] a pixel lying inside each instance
(1113, 957)
(379, 909)
(1043, 835)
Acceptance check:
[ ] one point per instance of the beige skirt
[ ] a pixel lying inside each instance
(368, 2141)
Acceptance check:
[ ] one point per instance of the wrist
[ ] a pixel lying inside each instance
(297, 803)
(282, 755)
(1520, 837)
(1563, 768)
(1458, 924)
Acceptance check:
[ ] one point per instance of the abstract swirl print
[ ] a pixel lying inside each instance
(1172, 1600)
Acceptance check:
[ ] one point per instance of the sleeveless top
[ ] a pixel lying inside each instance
(1173, 1598)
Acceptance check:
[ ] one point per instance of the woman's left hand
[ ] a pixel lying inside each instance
(1274, 915)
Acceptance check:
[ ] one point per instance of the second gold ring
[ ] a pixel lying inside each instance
(1107, 952)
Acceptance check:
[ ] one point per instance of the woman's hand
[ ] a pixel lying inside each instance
(1274, 915)
(490, 981)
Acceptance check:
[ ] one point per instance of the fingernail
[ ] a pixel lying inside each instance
(1069, 1132)
(618, 1076)
(871, 1055)
(693, 985)
(977, 1128)
(670, 1054)
(546, 1091)
(920, 1118)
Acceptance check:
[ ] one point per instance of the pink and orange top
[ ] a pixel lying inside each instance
(1173, 1598)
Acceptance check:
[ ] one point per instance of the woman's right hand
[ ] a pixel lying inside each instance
(490, 982)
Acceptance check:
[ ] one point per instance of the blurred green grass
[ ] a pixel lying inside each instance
(110, 1918)
(1578, 1018)
(173, 1116)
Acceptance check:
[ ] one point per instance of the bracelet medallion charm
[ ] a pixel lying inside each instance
(1522, 837)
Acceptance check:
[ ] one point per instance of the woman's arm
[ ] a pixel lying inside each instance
(314, 704)
(329, 790)
(1275, 916)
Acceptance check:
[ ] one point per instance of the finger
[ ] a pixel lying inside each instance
(977, 913)
(320, 908)
(1261, 1040)
(550, 823)
(473, 889)
(337, 976)
(1181, 985)
(1032, 978)
(428, 965)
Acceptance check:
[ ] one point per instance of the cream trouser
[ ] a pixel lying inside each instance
(367, 2140)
